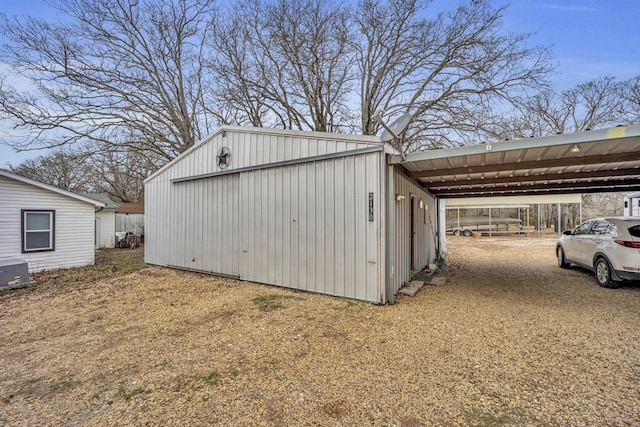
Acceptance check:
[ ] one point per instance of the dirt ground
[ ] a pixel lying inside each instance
(511, 339)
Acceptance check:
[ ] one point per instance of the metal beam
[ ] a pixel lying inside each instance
(336, 155)
(535, 164)
(520, 144)
(539, 192)
(557, 188)
(534, 178)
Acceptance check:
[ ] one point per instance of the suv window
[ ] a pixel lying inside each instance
(583, 228)
(635, 231)
(603, 227)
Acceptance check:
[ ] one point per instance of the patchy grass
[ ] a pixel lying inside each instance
(128, 395)
(60, 385)
(513, 416)
(267, 302)
(533, 346)
(109, 263)
(212, 378)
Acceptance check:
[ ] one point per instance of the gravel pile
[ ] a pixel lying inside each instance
(511, 339)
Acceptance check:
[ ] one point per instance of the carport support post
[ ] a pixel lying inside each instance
(489, 221)
(559, 229)
(390, 234)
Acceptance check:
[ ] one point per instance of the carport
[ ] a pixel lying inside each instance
(606, 160)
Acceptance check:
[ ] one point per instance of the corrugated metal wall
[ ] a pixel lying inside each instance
(257, 146)
(424, 226)
(304, 226)
(204, 228)
(307, 227)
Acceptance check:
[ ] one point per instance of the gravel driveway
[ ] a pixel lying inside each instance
(511, 339)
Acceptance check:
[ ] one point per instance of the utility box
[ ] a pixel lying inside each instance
(14, 273)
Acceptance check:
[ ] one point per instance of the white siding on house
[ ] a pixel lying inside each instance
(106, 234)
(74, 226)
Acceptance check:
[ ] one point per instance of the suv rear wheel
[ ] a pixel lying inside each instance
(603, 274)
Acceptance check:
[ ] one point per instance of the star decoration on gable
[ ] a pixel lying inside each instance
(224, 157)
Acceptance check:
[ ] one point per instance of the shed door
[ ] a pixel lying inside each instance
(412, 226)
(207, 224)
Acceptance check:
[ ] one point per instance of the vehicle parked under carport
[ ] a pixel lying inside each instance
(610, 247)
(483, 224)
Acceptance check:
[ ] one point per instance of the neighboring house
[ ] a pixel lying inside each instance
(306, 210)
(130, 217)
(105, 231)
(48, 227)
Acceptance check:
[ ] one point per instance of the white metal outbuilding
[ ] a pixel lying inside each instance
(347, 215)
(306, 210)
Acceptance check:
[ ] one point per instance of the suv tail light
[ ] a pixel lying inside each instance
(628, 244)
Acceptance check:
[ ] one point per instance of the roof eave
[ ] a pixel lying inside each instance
(44, 186)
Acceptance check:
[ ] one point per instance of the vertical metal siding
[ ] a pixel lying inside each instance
(306, 227)
(424, 241)
(303, 226)
(206, 224)
(251, 148)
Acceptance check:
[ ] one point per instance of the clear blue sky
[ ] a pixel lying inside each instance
(589, 39)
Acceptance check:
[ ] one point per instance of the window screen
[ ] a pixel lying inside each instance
(37, 230)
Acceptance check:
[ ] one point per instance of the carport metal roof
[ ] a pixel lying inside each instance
(608, 160)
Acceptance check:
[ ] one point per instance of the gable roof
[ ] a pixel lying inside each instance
(48, 187)
(312, 135)
(108, 203)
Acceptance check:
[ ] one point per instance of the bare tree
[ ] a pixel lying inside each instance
(100, 168)
(447, 70)
(590, 105)
(120, 174)
(155, 75)
(629, 92)
(110, 68)
(63, 168)
(285, 63)
(603, 204)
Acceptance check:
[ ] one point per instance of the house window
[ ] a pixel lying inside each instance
(38, 230)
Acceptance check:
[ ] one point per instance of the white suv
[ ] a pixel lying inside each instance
(610, 247)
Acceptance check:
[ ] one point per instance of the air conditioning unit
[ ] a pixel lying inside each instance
(14, 273)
